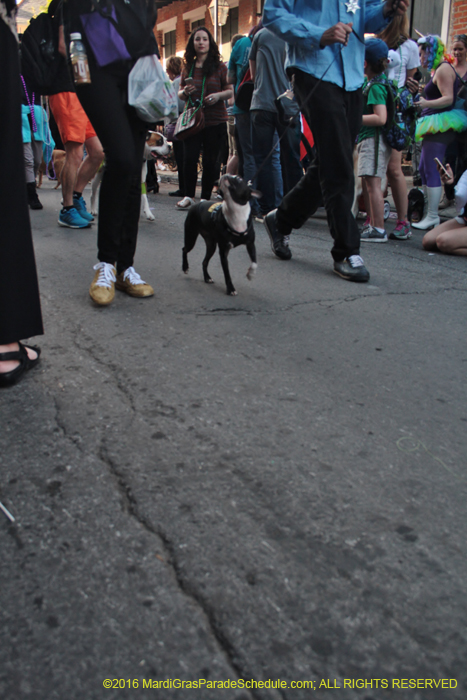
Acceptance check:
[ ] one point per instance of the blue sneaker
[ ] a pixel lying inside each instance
(80, 206)
(71, 219)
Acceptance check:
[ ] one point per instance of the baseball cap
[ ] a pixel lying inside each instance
(375, 50)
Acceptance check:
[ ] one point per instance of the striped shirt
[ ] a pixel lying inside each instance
(215, 114)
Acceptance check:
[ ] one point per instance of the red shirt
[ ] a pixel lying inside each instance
(215, 114)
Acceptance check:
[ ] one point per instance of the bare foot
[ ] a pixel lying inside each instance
(10, 365)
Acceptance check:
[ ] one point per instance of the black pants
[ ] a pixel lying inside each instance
(20, 311)
(122, 135)
(334, 116)
(178, 153)
(210, 139)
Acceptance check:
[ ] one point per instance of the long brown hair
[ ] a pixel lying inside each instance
(396, 32)
(213, 59)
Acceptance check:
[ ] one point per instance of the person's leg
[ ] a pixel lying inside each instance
(20, 311)
(243, 131)
(376, 201)
(396, 179)
(28, 162)
(91, 163)
(262, 133)
(453, 241)
(212, 138)
(30, 172)
(178, 153)
(373, 159)
(366, 199)
(123, 138)
(398, 184)
(431, 149)
(292, 170)
(334, 117)
(71, 122)
(38, 151)
(233, 160)
(74, 158)
(277, 179)
(429, 239)
(192, 149)
(421, 165)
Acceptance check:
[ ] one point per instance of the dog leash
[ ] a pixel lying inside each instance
(290, 120)
(309, 96)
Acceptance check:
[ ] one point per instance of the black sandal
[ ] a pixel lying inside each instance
(10, 378)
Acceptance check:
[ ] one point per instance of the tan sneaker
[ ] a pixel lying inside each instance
(131, 283)
(102, 289)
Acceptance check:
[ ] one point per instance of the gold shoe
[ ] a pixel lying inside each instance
(102, 289)
(131, 283)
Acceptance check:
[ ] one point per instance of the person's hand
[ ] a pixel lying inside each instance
(211, 100)
(395, 7)
(446, 179)
(337, 34)
(189, 89)
(412, 85)
(422, 103)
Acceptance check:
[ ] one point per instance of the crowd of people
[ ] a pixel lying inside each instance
(309, 68)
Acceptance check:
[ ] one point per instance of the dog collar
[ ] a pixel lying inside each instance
(230, 230)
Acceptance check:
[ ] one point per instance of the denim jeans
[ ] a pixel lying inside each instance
(264, 126)
(247, 164)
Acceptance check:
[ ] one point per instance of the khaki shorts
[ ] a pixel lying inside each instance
(72, 121)
(366, 158)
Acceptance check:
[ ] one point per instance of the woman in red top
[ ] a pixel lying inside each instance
(203, 63)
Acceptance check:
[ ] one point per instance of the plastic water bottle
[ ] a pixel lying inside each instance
(79, 60)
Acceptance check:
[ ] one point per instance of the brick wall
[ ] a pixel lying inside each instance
(458, 18)
(246, 19)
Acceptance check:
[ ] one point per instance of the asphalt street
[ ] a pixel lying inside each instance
(269, 487)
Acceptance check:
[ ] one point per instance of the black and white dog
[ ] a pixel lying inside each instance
(226, 224)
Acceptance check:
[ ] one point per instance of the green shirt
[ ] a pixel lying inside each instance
(377, 95)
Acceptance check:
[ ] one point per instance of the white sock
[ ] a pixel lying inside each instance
(380, 230)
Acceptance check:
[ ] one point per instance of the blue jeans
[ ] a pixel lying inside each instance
(247, 165)
(264, 126)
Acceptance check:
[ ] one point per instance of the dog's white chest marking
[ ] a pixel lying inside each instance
(236, 215)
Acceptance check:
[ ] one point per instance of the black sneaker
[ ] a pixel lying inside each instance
(279, 243)
(352, 269)
(177, 193)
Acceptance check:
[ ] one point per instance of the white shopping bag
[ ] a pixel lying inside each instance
(151, 92)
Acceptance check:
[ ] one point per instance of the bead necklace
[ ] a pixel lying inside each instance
(31, 106)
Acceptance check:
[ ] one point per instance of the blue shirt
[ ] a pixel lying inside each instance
(238, 64)
(301, 23)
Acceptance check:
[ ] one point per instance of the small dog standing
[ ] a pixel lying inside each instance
(226, 224)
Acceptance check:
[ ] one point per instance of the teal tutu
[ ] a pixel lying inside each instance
(453, 120)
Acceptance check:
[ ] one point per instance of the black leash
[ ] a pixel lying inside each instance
(308, 97)
(395, 6)
(290, 120)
